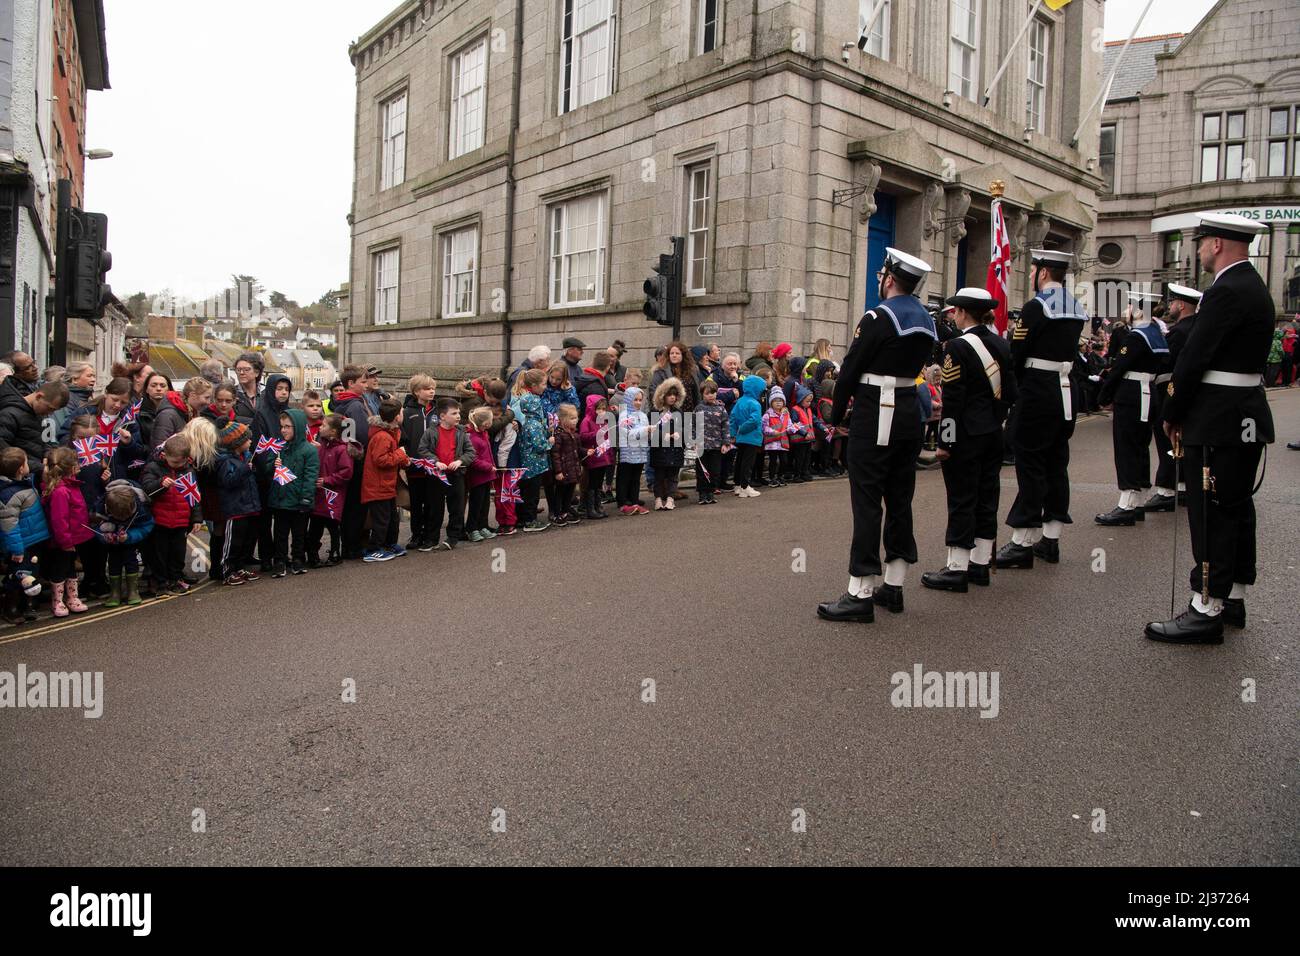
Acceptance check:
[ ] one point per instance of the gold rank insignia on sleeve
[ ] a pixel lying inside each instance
(1171, 389)
(1019, 333)
(951, 372)
(1124, 350)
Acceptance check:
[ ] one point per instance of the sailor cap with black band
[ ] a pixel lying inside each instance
(1227, 225)
(973, 299)
(898, 261)
(1051, 257)
(1177, 291)
(1141, 297)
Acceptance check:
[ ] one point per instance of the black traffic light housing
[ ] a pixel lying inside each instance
(88, 261)
(663, 291)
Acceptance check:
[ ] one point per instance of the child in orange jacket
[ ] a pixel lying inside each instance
(384, 456)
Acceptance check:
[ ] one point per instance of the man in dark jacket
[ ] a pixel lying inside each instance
(592, 380)
(23, 419)
(27, 374)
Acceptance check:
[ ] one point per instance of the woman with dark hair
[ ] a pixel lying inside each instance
(248, 372)
(153, 394)
(676, 362)
(138, 373)
(176, 410)
(616, 372)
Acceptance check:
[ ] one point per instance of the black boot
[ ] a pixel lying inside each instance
(946, 580)
(890, 597)
(1049, 549)
(978, 574)
(1157, 503)
(1234, 612)
(1190, 627)
(848, 608)
(1117, 518)
(1012, 555)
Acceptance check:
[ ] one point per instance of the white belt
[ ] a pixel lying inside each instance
(1233, 379)
(887, 384)
(1145, 378)
(1063, 369)
(1164, 378)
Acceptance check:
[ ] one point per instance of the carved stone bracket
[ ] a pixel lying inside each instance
(958, 204)
(931, 219)
(870, 183)
(1037, 231)
(1017, 226)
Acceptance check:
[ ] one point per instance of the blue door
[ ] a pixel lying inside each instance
(880, 233)
(962, 248)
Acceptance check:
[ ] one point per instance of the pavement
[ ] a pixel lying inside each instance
(504, 710)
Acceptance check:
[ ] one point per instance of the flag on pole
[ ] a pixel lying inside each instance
(432, 467)
(999, 268)
(510, 487)
(87, 450)
(189, 489)
(107, 444)
(283, 475)
(266, 444)
(133, 413)
(1055, 4)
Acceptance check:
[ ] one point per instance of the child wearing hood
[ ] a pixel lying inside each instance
(331, 491)
(292, 496)
(633, 450)
(715, 442)
(535, 449)
(747, 429)
(24, 531)
(801, 434)
(598, 447)
(384, 456)
(480, 474)
(776, 436)
(123, 522)
(241, 505)
(668, 447)
(830, 450)
(271, 404)
(69, 531)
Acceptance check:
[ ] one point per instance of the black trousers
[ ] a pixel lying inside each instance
(628, 482)
(1222, 520)
(480, 497)
(265, 529)
(420, 487)
(449, 499)
(666, 481)
(287, 523)
(168, 547)
(564, 492)
(971, 477)
(384, 524)
(1042, 450)
(354, 514)
(94, 557)
(237, 545)
(1166, 467)
(123, 559)
(728, 469)
(711, 460)
(316, 529)
(801, 458)
(1132, 443)
(596, 479)
(776, 465)
(530, 490)
(745, 457)
(882, 481)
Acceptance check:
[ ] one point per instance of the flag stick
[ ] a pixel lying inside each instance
(1006, 61)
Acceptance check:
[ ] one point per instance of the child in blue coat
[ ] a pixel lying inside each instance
(123, 522)
(747, 427)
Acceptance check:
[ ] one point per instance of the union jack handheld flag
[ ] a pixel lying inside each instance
(107, 444)
(132, 413)
(510, 487)
(426, 465)
(331, 497)
(265, 444)
(283, 475)
(87, 450)
(188, 489)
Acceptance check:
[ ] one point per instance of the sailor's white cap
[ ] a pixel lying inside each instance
(972, 298)
(1141, 297)
(898, 261)
(1177, 291)
(1050, 257)
(1228, 225)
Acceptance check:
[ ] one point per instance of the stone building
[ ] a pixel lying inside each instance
(1209, 121)
(520, 164)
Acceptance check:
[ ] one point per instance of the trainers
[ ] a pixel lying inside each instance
(640, 510)
(444, 546)
(373, 556)
(396, 551)
(559, 521)
(506, 530)
(753, 493)
(413, 544)
(279, 572)
(669, 504)
(426, 545)
(488, 534)
(476, 536)
(249, 576)
(234, 581)
(538, 524)
(299, 569)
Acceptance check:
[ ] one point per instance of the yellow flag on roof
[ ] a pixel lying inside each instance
(1055, 4)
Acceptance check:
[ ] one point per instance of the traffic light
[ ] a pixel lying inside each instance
(658, 292)
(89, 262)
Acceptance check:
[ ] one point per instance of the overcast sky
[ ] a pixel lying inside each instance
(231, 126)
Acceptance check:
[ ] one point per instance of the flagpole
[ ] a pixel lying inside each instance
(872, 17)
(1105, 89)
(1006, 61)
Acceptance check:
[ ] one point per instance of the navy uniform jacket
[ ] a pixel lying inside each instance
(968, 397)
(895, 338)
(1177, 338)
(1051, 324)
(1233, 333)
(1144, 350)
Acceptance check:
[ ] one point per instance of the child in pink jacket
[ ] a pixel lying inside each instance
(69, 522)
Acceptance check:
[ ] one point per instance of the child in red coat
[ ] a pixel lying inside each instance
(69, 528)
(166, 481)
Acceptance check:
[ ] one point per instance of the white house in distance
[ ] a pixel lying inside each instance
(325, 335)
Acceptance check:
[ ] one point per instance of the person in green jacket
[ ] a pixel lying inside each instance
(293, 473)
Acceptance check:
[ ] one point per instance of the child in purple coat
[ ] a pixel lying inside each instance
(482, 470)
(331, 490)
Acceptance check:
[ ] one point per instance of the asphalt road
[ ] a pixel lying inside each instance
(522, 689)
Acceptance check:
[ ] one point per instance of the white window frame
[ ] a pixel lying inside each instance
(1114, 156)
(459, 260)
(576, 52)
(468, 102)
(386, 271)
(878, 38)
(698, 227)
(1288, 140)
(958, 46)
(1039, 48)
(700, 23)
(562, 255)
(1221, 144)
(392, 164)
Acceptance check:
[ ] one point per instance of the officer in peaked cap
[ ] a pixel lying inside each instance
(1217, 407)
(1181, 319)
(1128, 387)
(1044, 348)
(978, 388)
(890, 346)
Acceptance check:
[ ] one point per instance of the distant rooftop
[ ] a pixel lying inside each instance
(1139, 67)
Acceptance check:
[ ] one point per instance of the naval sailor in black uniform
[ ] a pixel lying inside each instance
(890, 346)
(978, 388)
(1181, 318)
(1044, 348)
(1217, 406)
(1128, 387)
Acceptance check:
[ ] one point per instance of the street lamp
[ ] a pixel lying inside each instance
(100, 154)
